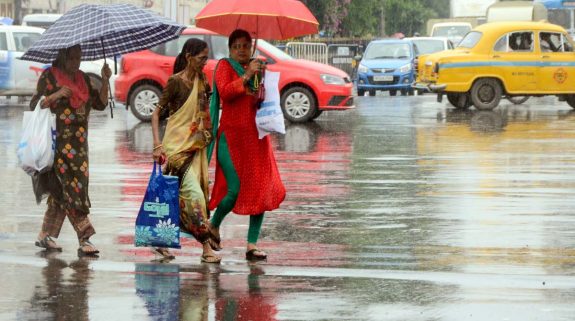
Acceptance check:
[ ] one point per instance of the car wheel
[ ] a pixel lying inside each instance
(361, 92)
(393, 92)
(486, 93)
(404, 92)
(317, 114)
(410, 92)
(517, 100)
(143, 101)
(571, 100)
(298, 104)
(372, 93)
(459, 100)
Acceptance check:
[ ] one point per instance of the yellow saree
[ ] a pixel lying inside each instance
(187, 134)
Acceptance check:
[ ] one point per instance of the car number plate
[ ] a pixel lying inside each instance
(383, 78)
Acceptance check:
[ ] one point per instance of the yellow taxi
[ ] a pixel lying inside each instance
(502, 59)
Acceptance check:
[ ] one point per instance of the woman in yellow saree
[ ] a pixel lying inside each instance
(188, 132)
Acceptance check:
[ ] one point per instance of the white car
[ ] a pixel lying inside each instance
(429, 45)
(19, 77)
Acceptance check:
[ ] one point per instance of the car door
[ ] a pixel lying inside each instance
(557, 62)
(5, 61)
(515, 62)
(24, 73)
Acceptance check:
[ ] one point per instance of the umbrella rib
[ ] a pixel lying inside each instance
(279, 28)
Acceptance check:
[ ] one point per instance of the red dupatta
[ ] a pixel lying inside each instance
(80, 92)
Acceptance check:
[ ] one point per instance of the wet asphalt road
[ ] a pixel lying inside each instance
(402, 209)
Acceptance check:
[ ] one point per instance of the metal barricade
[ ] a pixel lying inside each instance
(342, 56)
(308, 50)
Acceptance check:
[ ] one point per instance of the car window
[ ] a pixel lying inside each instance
(550, 42)
(387, 51)
(501, 44)
(219, 47)
(470, 40)
(3, 41)
(521, 41)
(567, 46)
(450, 31)
(23, 40)
(429, 46)
(172, 48)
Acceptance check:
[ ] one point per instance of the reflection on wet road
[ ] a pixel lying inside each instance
(402, 209)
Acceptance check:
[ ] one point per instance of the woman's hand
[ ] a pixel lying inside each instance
(159, 154)
(63, 92)
(255, 66)
(106, 72)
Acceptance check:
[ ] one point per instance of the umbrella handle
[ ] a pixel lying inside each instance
(112, 104)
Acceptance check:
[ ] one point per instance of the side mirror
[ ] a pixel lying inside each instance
(358, 58)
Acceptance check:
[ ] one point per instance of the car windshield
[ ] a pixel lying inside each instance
(387, 51)
(429, 46)
(220, 49)
(470, 40)
(450, 31)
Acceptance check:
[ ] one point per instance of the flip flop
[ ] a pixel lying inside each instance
(164, 253)
(251, 255)
(210, 258)
(48, 243)
(82, 252)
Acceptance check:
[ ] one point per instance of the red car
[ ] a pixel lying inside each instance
(307, 88)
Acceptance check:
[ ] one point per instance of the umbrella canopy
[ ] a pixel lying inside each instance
(103, 31)
(270, 19)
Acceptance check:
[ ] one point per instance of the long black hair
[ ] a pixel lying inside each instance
(193, 46)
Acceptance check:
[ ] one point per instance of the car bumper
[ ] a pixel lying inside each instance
(430, 87)
(121, 88)
(336, 98)
(399, 82)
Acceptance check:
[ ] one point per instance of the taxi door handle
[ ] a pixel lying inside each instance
(497, 56)
(545, 57)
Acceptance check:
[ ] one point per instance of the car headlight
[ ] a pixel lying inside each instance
(362, 68)
(405, 68)
(332, 80)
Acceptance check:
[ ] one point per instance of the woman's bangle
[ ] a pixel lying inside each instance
(245, 78)
(158, 146)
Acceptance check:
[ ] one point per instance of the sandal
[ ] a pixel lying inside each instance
(48, 243)
(163, 252)
(214, 238)
(210, 258)
(82, 251)
(252, 255)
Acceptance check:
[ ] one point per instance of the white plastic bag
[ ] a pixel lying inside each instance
(36, 148)
(269, 118)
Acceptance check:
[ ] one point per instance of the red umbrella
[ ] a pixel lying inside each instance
(269, 19)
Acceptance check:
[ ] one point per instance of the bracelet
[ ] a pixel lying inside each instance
(158, 146)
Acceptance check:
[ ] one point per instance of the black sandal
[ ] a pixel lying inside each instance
(45, 244)
(251, 255)
(82, 252)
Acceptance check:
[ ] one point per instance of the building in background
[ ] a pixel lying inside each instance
(182, 11)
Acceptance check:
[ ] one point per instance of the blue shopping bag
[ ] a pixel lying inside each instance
(158, 222)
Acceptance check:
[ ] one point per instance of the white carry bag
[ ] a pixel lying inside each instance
(36, 148)
(269, 118)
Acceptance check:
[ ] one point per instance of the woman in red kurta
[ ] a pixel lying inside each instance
(247, 179)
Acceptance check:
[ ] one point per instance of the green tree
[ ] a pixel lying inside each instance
(406, 16)
(363, 18)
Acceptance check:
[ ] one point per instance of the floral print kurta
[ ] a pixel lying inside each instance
(71, 165)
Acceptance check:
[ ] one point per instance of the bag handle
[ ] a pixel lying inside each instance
(158, 168)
